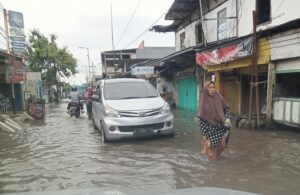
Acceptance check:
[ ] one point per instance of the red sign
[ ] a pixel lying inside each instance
(14, 72)
(225, 54)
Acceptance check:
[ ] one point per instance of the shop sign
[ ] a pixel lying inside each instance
(142, 70)
(15, 19)
(16, 32)
(225, 53)
(17, 39)
(18, 44)
(14, 72)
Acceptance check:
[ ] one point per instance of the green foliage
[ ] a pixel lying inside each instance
(45, 56)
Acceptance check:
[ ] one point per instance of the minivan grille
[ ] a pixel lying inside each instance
(139, 113)
(132, 128)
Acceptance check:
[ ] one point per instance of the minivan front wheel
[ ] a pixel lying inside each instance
(103, 136)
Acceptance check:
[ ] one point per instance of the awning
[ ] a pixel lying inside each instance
(230, 54)
(181, 58)
(288, 66)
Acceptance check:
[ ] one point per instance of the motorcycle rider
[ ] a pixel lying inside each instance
(75, 97)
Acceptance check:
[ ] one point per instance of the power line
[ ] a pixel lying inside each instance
(133, 14)
(146, 29)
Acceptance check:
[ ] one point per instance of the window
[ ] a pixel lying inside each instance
(129, 90)
(222, 24)
(199, 33)
(263, 11)
(182, 40)
(98, 91)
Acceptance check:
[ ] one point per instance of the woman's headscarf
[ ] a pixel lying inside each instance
(211, 108)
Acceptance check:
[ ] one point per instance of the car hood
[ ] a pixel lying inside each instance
(102, 191)
(135, 104)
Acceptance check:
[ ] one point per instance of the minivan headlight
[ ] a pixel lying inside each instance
(165, 109)
(110, 112)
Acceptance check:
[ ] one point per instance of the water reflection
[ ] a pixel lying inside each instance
(64, 152)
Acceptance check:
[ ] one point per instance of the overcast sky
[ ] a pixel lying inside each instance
(87, 23)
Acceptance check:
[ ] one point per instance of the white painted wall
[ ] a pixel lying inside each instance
(190, 36)
(285, 45)
(282, 11)
(211, 26)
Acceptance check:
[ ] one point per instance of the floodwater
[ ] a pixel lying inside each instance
(66, 153)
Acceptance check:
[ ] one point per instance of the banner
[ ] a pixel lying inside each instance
(16, 32)
(14, 72)
(225, 53)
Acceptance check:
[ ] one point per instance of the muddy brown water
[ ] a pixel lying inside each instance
(66, 153)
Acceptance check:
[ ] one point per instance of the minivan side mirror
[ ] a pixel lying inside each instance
(95, 98)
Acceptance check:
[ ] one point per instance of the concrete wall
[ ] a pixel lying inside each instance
(211, 26)
(154, 52)
(285, 45)
(190, 36)
(281, 12)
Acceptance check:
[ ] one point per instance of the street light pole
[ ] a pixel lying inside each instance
(88, 56)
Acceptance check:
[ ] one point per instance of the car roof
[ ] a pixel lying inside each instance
(124, 80)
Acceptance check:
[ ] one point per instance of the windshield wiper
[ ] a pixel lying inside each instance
(130, 98)
(152, 96)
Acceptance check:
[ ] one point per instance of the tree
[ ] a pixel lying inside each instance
(45, 56)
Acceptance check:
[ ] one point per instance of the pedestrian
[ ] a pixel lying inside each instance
(214, 119)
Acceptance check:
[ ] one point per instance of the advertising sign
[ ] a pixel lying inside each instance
(18, 44)
(17, 39)
(15, 19)
(142, 70)
(18, 49)
(16, 32)
(14, 72)
(226, 53)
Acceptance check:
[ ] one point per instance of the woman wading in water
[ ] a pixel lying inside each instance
(214, 115)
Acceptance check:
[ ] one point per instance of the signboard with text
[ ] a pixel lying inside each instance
(16, 32)
(15, 19)
(142, 70)
(225, 53)
(14, 72)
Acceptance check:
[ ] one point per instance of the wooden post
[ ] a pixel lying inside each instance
(254, 76)
(218, 81)
(271, 83)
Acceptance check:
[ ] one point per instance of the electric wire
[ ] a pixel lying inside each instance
(146, 29)
(132, 16)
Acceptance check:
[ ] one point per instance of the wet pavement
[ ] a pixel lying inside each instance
(66, 153)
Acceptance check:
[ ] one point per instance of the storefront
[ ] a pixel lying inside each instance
(286, 100)
(230, 63)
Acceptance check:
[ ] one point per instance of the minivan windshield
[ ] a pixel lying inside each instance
(129, 90)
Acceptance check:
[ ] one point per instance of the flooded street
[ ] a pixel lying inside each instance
(66, 153)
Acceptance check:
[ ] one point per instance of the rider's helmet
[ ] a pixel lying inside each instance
(74, 88)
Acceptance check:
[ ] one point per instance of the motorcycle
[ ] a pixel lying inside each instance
(74, 109)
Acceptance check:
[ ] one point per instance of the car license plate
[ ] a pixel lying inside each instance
(142, 131)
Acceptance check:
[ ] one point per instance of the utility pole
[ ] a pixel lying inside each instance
(254, 77)
(112, 38)
(202, 24)
(88, 56)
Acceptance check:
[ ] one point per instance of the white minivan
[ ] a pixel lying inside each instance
(130, 108)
